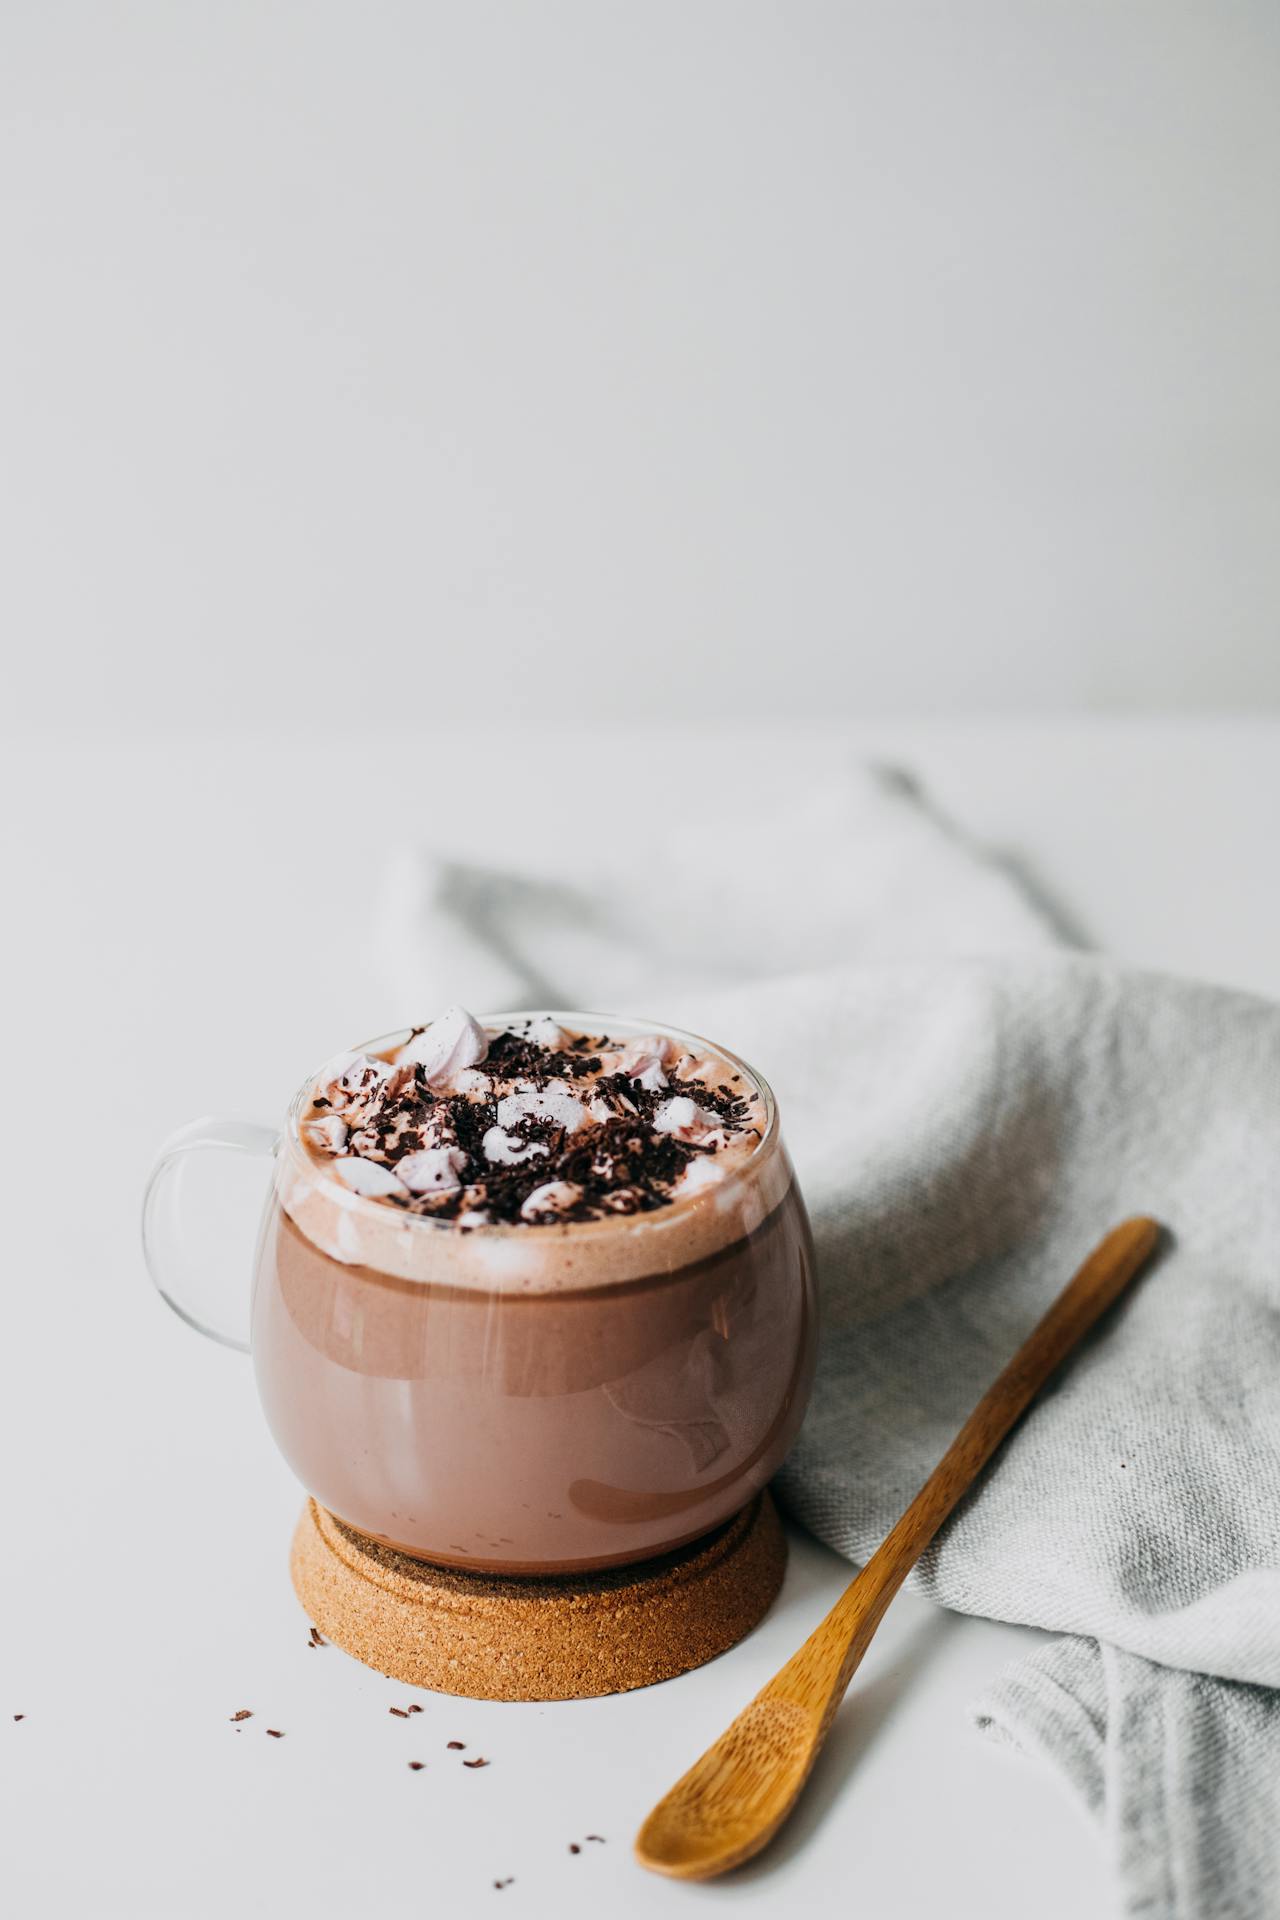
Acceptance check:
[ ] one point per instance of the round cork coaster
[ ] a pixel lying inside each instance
(517, 1637)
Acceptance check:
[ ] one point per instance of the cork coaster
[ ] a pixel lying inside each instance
(515, 1637)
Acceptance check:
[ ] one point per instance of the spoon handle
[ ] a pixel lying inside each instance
(818, 1674)
(732, 1801)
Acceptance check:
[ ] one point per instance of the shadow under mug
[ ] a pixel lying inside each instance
(509, 1399)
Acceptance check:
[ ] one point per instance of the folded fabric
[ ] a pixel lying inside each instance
(969, 1107)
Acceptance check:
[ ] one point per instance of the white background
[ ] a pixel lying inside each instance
(373, 370)
(412, 360)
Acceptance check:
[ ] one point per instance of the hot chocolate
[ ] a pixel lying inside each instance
(534, 1295)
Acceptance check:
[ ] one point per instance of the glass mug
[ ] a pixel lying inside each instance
(513, 1399)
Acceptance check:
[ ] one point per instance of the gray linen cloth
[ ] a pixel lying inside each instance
(970, 1106)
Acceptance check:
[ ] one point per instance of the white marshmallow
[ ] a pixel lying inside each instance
(552, 1103)
(502, 1151)
(433, 1169)
(449, 1045)
(360, 1076)
(648, 1046)
(688, 1121)
(648, 1071)
(469, 1081)
(557, 1196)
(329, 1134)
(367, 1177)
(700, 1173)
(544, 1032)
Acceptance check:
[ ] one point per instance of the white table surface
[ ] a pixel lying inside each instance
(183, 938)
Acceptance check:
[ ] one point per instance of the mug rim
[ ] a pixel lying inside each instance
(583, 1020)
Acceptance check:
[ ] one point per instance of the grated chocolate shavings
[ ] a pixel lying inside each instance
(245, 1713)
(620, 1165)
(475, 1763)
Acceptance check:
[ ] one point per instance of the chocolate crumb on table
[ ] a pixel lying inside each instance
(475, 1763)
(574, 1847)
(401, 1713)
(274, 1733)
(508, 1882)
(597, 1836)
(19, 1716)
(245, 1713)
(414, 1707)
(456, 1746)
(416, 1766)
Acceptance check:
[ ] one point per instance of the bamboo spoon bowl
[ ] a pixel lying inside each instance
(734, 1799)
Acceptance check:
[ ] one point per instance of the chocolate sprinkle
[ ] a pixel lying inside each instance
(508, 1882)
(574, 1847)
(19, 1716)
(475, 1763)
(620, 1165)
(416, 1766)
(401, 1713)
(456, 1746)
(274, 1733)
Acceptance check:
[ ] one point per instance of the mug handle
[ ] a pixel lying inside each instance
(183, 1262)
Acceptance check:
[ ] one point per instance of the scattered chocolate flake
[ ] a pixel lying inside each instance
(574, 1847)
(274, 1733)
(620, 1165)
(456, 1746)
(416, 1766)
(477, 1762)
(245, 1713)
(317, 1638)
(414, 1707)
(401, 1713)
(19, 1716)
(596, 1836)
(508, 1882)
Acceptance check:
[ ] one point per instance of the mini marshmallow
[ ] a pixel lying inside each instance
(544, 1032)
(449, 1045)
(360, 1076)
(557, 1196)
(432, 1170)
(546, 1103)
(329, 1134)
(700, 1173)
(501, 1150)
(368, 1178)
(648, 1046)
(648, 1072)
(685, 1119)
(469, 1081)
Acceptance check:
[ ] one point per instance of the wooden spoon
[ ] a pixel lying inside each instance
(731, 1802)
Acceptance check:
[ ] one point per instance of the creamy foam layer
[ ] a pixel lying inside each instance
(731, 1176)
